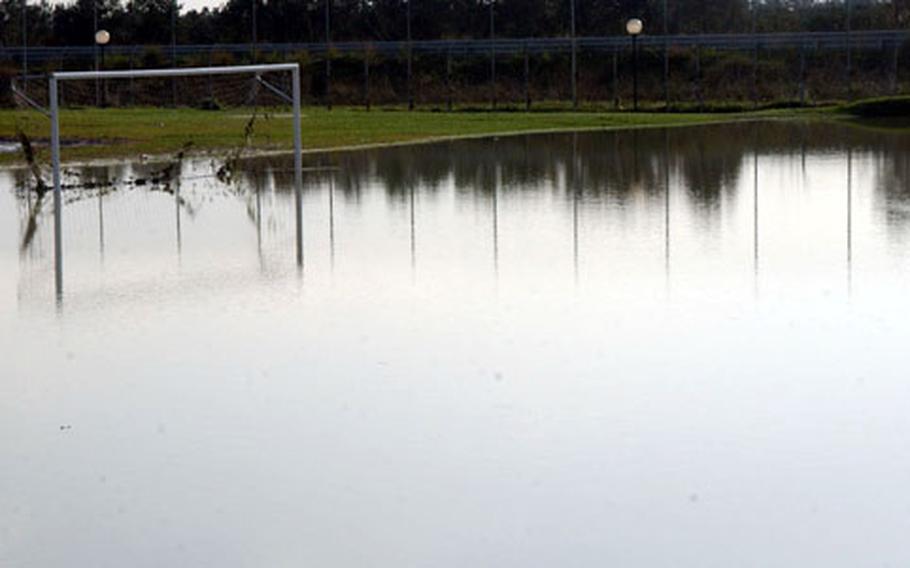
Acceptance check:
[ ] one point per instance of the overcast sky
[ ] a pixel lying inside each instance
(199, 4)
(186, 5)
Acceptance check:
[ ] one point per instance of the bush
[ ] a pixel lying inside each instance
(884, 107)
(6, 87)
(152, 57)
(208, 103)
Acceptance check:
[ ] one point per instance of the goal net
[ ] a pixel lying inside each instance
(229, 88)
(245, 91)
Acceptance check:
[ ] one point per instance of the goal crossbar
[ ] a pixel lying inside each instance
(176, 71)
(57, 77)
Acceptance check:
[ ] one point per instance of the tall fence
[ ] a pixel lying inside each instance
(674, 70)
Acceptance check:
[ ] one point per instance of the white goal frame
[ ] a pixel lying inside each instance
(256, 70)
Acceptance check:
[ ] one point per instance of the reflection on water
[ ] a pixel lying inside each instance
(631, 348)
(849, 219)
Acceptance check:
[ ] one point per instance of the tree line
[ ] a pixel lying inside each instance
(278, 21)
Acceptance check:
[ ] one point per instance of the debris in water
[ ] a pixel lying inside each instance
(28, 153)
(225, 173)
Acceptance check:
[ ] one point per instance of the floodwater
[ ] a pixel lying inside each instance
(680, 348)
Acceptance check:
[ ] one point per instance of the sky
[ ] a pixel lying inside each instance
(200, 4)
(185, 5)
(188, 5)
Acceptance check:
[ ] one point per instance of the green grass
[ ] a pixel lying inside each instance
(128, 133)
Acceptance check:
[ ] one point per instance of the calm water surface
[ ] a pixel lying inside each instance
(679, 348)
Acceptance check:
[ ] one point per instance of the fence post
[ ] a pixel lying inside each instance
(173, 8)
(895, 59)
(574, 58)
(410, 63)
(493, 54)
(366, 79)
(24, 32)
(95, 54)
(61, 98)
(802, 73)
(328, 78)
(849, 53)
(699, 98)
(666, 14)
(616, 78)
(527, 78)
(211, 87)
(328, 53)
(132, 84)
(449, 88)
(755, 75)
(666, 73)
(493, 77)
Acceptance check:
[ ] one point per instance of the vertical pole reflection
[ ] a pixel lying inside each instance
(413, 236)
(755, 258)
(802, 156)
(58, 197)
(575, 191)
(667, 209)
(298, 168)
(177, 208)
(101, 224)
(332, 220)
(849, 221)
(259, 226)
(496, 183)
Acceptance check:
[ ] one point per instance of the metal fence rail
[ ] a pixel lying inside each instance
(875, 39)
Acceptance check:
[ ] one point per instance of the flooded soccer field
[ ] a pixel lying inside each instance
(649, 348)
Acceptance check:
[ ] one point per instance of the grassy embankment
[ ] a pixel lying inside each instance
(128, 133)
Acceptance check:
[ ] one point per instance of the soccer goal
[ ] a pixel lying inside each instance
(254, 78)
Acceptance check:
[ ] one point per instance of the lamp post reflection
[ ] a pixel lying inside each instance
(802, 156)
(101, 224)
(849, 220)
(413, 234)
(496, 183)
(575, 191)
(634, 27)
(259, 226)
(622, 173)
(755, 258)
(667, 210)
(332, 221)
(179, 233)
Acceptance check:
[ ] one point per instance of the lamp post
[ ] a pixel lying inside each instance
(666, 56)
(254, 29)
(410, 58)
(24, 46)
(634, 27)
(574, 69)
(327, 14)
(95, 52)
(174, 9)
(102, 38)
(849, 6)
(493, 54)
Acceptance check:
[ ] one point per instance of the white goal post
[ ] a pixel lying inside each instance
(256, 70)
